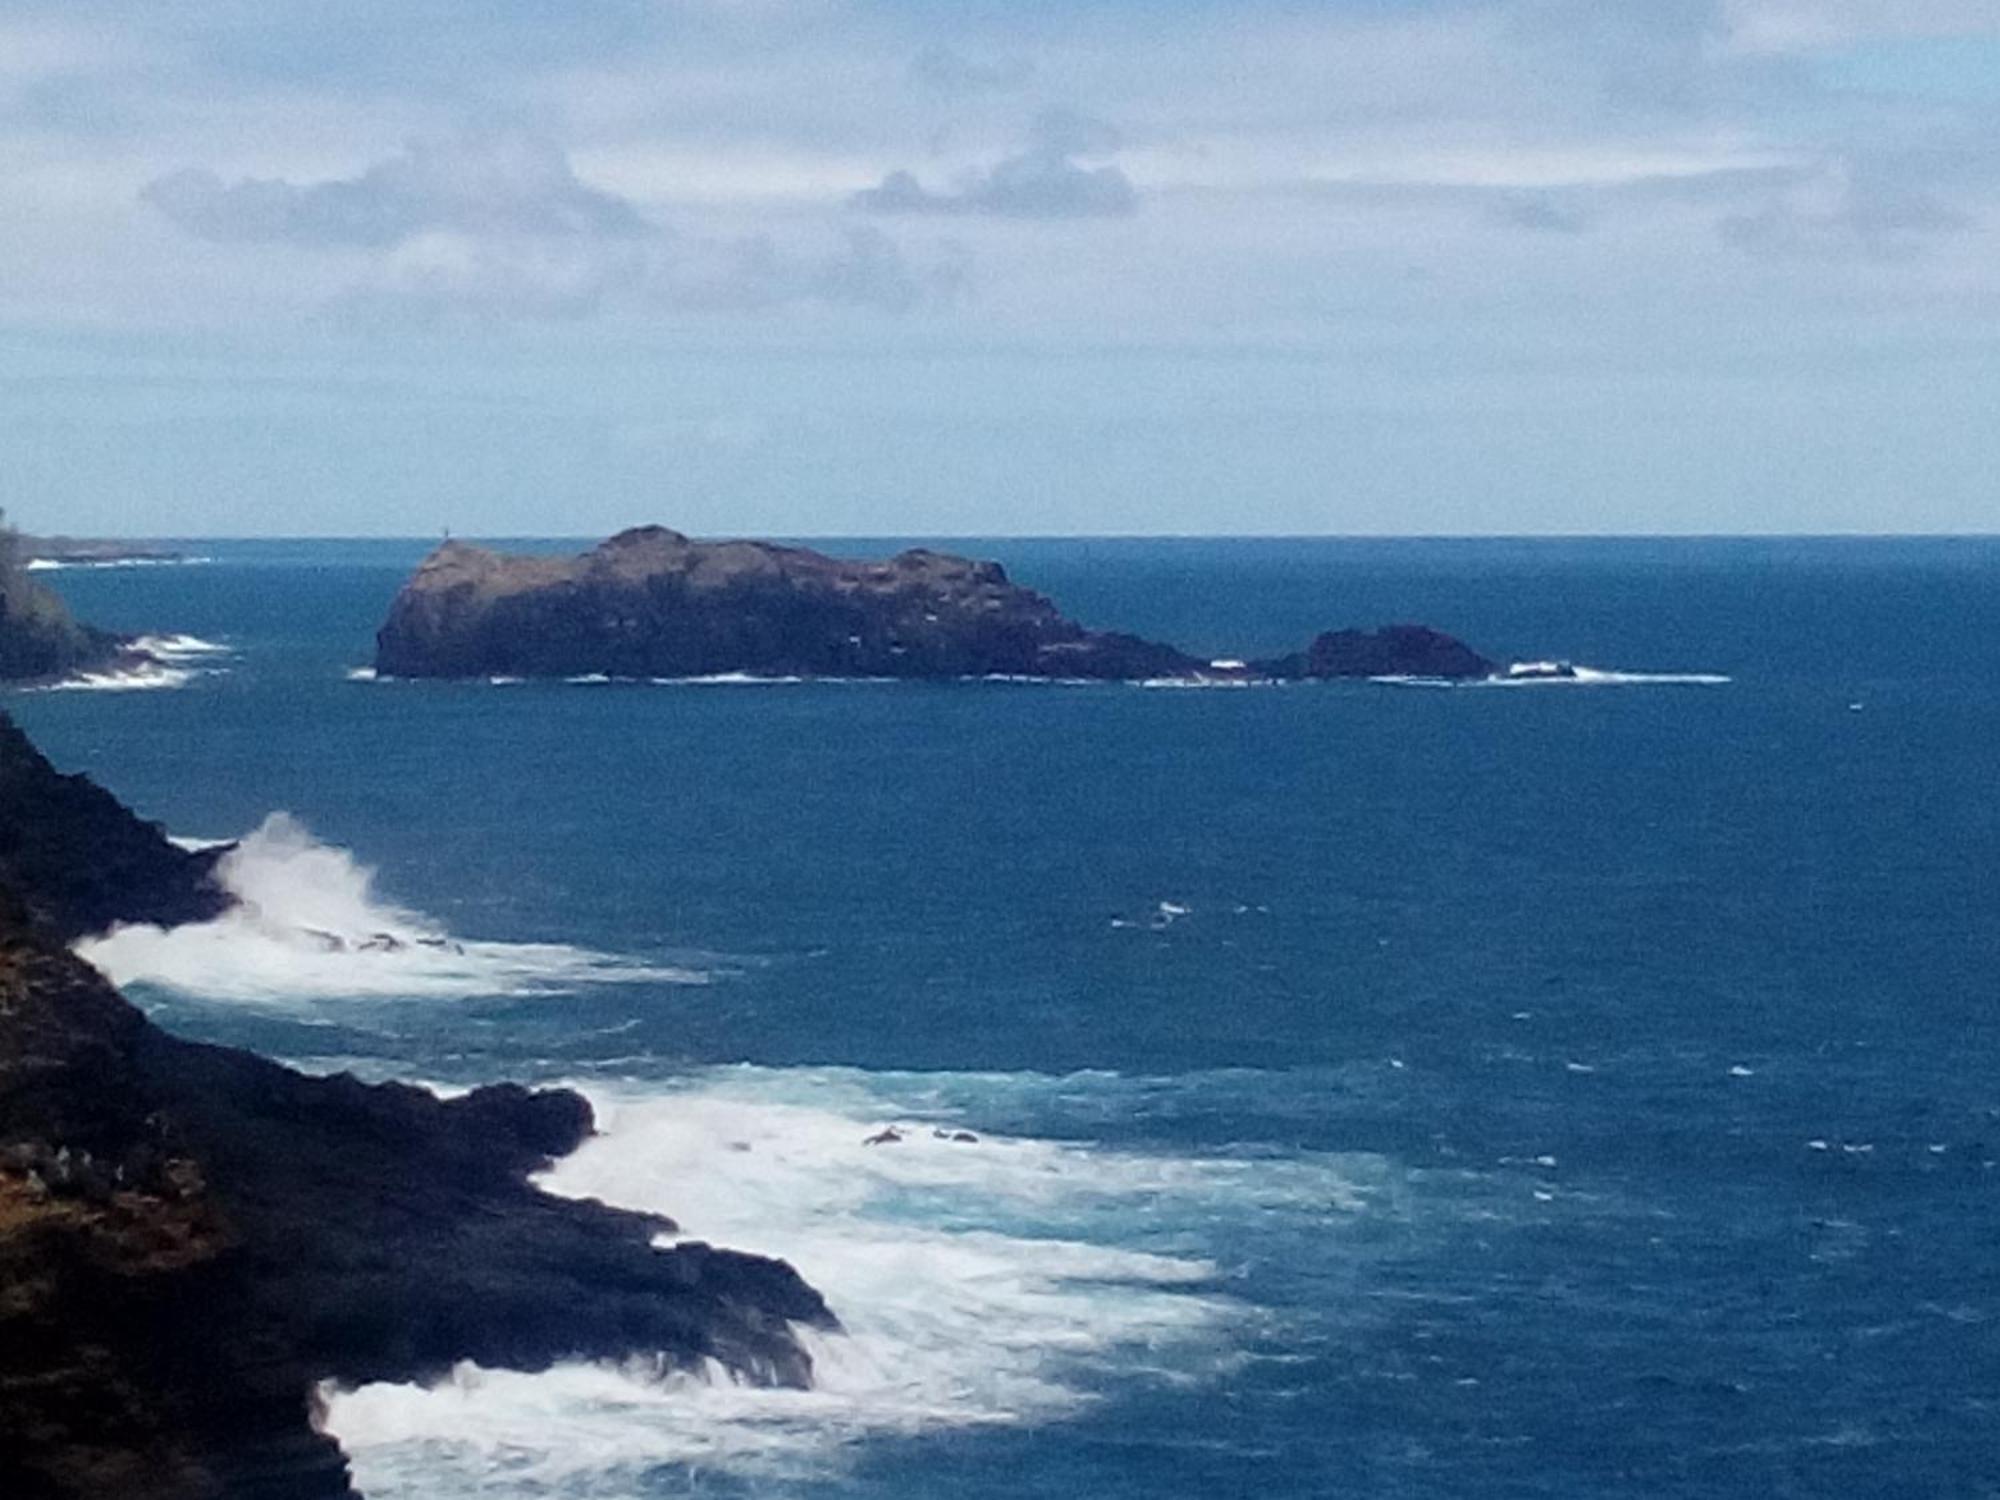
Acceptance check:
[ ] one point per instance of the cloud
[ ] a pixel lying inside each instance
(1845, 209)
(952, 72)
(1539, 212)
(508, 182)
(1046, 181)
(499, 225)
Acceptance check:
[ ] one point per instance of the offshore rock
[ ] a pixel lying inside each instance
(193, 1237)
(1393, 651)
(650, 603)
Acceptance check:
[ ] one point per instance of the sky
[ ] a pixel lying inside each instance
(964, 267)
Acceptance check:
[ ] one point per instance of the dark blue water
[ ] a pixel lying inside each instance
(1563, 1091)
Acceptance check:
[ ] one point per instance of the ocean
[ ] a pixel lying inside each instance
(1570, 1089)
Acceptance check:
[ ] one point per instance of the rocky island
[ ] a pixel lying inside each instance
(652, 603)
(193, 1237)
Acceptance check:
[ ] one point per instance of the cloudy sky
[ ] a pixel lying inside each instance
(1000, 266)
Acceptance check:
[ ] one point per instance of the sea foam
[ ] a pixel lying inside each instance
(309, 925)
(165, 661)
(998, 1281)
(1573, 677)
(93, 564)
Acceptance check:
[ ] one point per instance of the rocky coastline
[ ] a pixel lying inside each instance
(652, 603)
(192, 1238)
(39, 640)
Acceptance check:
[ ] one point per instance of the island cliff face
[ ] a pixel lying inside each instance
(192, 1237)
(650, 603)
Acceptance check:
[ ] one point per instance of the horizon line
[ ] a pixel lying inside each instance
(1038, 536)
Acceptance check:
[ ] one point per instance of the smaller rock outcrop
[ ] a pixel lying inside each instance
(651, 603)
(1392, 651)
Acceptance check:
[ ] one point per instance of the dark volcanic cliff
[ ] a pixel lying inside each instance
(38, 638)
(652, 603)
(191, 1237)
(82, 861)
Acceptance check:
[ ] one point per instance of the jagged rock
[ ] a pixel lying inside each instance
(82, 860)
(652, 603)
(38, 637)
(192, 1237)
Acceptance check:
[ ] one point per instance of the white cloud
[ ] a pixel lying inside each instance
(1050, 179)
(506, 183)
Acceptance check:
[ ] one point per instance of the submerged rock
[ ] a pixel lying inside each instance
(651, 603)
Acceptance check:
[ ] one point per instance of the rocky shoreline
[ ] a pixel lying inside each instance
(192, 1238)
(652, 603)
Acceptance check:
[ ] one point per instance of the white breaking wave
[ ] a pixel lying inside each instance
(80, 564)
(164, 661)
(975, 1279)
(179, 647)
(309, 926)
(139, 678)
(1569, 677)
(1605, 677)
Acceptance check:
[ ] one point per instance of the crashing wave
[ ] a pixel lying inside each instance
(308, 925)
(986, 1280)
(175, 648)
(97, 564)
(151, 662)
(140, 677)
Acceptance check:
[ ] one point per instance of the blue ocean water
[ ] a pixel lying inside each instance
(1546, 1091)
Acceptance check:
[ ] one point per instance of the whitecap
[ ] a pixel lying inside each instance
(309, 925)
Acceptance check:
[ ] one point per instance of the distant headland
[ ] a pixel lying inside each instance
(652, 603)
(93, 552)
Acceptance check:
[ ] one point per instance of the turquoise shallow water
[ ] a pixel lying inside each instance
(1381, 1091)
